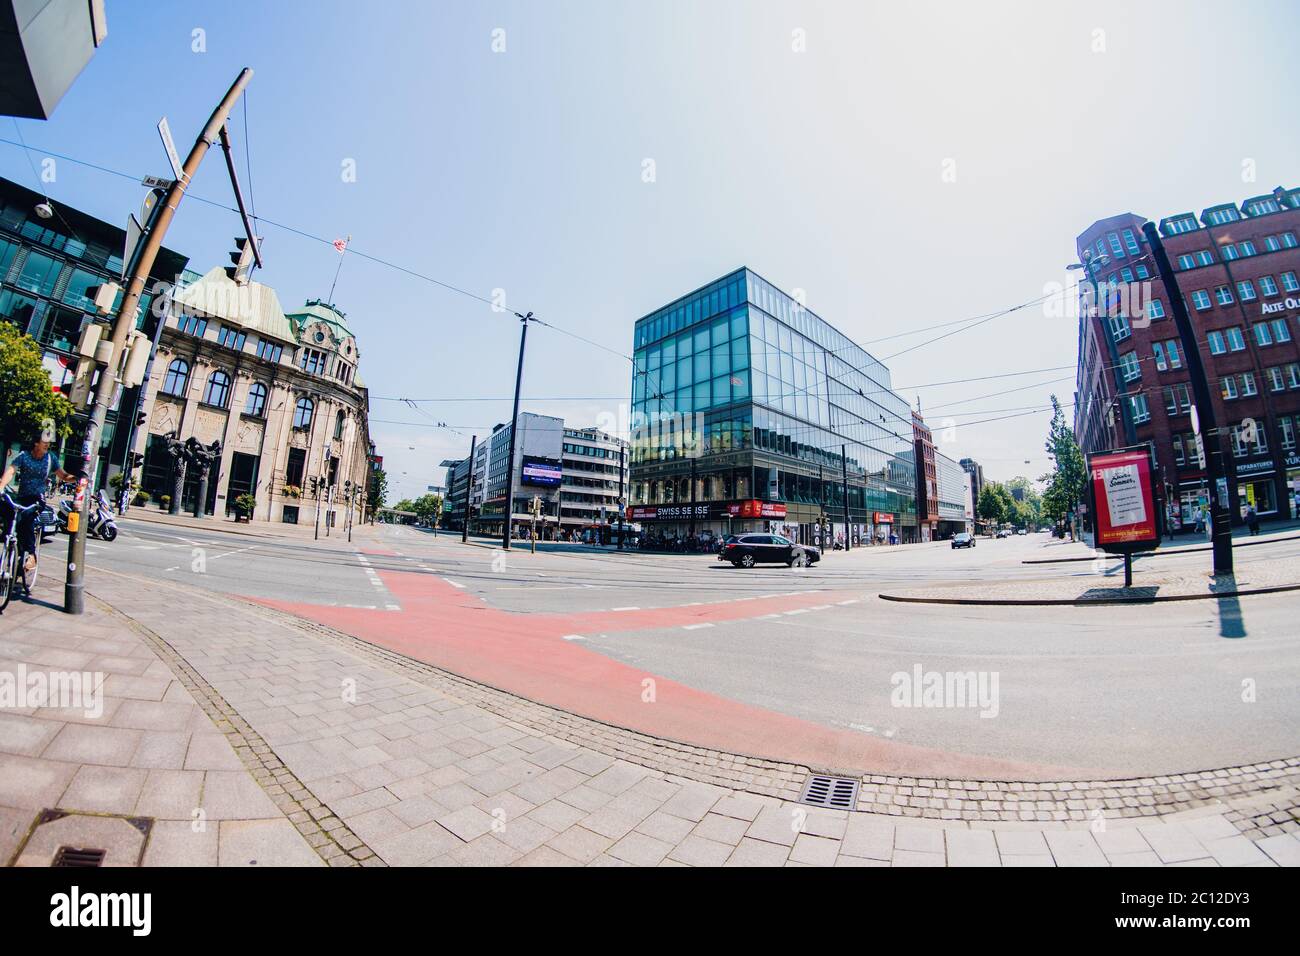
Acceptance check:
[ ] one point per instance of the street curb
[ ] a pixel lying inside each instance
(1093, 602)
(217, 526)
(1158, 552)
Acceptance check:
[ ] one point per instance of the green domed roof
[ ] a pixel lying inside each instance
(317, 311)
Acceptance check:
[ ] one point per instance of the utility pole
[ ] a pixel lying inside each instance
(1215, 472)
(315, 491)
(514, 432)
(691, 532)
(844, 464)
(469, 489)
(105, 393)
(622, 505)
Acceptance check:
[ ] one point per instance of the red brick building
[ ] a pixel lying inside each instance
(927, 480)
(1239, 270)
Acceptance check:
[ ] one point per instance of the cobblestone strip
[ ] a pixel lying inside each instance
(1268, 819)
(324, 832)
(971, 801)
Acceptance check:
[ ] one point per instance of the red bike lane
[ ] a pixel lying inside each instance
(527, 654)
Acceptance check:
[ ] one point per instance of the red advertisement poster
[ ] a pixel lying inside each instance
(1124, 505)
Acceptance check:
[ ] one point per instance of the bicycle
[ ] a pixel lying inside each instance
(12, 560)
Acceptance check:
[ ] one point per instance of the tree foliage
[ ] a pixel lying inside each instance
(427, 508)
(27, 397)
(378, 494)
(1069, 478)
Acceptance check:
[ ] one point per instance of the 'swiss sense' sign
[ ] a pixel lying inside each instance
(1123, 496)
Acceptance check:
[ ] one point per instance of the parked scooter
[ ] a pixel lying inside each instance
(101, 523)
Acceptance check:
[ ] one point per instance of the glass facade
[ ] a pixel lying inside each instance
(759, 398)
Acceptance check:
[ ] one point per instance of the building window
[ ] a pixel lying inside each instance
(1272, 243)
(192, 325)
(1215, 341)
(1138, 407)
(1130, 242)
(1290, 283)
(1262, 334)
(1281, 331)
(1131, 367)
(1288, 240)
(1228, 387)
(231, 338)
(1224, 295)
(1276, 382)
(1179, 458)
(1293, 375)
(256, 402)
(1119, 327)
(1185, 261)
(1143, 271)
(1259, 207)
(39, 274)
(302, 413)
(1201, 299)
(1159, 349)
(269, 351)
(1229, 252)
(1246, 289)
(1181, 225)
(1155, 309)
(339, 422)
(178, 376)
(1267, 285)
(217, 391)
(1236, 341)
(1286, 426)
(1218, 217)
(1246, 247)
(1178, 399)
(1248, 387)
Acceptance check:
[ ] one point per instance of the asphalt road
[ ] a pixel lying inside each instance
(1123, 691)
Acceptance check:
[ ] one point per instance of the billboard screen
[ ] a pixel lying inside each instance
(541, 472)
(1123, 495)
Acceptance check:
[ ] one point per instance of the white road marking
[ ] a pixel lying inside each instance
(849, 601)
(625, 609)
(694, 627)
(454, 584)
(573, 637)
(798, 610)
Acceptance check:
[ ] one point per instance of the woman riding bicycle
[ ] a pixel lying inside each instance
(32, 469)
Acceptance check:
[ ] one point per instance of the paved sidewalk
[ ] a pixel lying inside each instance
(394, 762)
(258, 529)
(1256, 573)
(135, 744)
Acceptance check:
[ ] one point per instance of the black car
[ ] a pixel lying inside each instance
(748, 550)
(963, 539)
(723, 542)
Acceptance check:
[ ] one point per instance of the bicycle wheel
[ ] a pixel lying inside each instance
(8, 568)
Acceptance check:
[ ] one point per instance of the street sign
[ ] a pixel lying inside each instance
(1123, 501)
(169, 144)
(157, 182)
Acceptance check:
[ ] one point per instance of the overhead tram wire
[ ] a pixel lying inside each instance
(979, 320)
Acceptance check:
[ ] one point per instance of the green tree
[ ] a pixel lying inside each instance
(27, 399)
(378, 492)
(428, 507)
(990, 504)
(1069, 478)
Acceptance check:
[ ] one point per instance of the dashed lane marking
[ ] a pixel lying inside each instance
(694, 627)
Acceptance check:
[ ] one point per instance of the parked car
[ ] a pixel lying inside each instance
(963, 539)
(751, 549)
(1022, 531)
(1004, 533)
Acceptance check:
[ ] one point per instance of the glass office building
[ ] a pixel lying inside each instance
(748, 411)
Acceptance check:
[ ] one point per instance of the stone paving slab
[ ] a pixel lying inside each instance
(146, 748)
(418, 767)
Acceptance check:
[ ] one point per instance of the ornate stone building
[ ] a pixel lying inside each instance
(279, 390)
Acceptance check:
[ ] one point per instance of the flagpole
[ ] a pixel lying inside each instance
(342, 252)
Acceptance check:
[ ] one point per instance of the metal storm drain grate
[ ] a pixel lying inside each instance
(78, 857)
(838, 793)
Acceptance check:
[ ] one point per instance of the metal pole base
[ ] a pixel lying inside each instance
(74, 599)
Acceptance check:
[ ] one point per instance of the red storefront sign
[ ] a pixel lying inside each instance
(882, 517)
(756, 509)
(1124, 500)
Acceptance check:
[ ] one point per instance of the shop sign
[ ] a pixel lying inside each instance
(882, 517)
(1255, 467)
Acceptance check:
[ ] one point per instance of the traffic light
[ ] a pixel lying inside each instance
(140, 419)
(312, 484)
(137, 460)
(243, 258)
(103, 296)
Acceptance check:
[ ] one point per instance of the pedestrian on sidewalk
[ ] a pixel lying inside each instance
(1252, 520)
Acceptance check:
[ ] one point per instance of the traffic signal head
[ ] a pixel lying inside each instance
(243, 258)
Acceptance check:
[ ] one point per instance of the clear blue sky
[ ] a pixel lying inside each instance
(820, 169)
